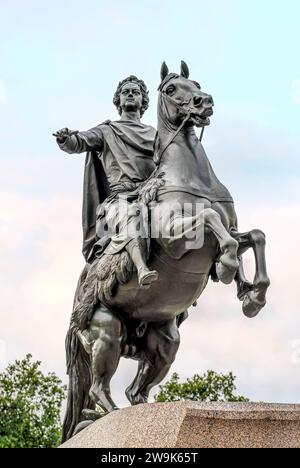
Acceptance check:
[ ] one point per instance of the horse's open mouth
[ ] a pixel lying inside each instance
(201, 120)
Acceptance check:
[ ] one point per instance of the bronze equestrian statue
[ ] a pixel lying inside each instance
(157, 225)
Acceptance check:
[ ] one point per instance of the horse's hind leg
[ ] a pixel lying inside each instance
(255, 298)
(130, 391)
(106, 330)
(161, 345)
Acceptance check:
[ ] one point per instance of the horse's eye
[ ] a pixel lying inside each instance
(170, 90)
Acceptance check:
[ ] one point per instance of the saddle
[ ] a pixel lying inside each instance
(144, 194)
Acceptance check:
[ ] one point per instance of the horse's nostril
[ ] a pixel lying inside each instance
(197, 101)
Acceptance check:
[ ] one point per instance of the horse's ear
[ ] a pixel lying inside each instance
(164, 71)
(184, 70)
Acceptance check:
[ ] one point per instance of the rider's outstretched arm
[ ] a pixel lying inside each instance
(80, 142)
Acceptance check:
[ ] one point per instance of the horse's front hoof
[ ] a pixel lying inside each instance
(226, 274)
(243, 289)
(91, 415)
(82, 425)
(251, 305)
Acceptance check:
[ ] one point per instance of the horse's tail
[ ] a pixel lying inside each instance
(80, 381)
(95, 285)
(79, 372)
(99, 282)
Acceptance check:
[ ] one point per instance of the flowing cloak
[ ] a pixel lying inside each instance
(95, 191)
(126, 159)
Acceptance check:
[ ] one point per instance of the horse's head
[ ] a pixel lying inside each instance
(183, 99)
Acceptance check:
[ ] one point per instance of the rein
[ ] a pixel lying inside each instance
(174, 135)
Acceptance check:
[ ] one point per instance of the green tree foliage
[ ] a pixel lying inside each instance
(30, 404)
(211, 386)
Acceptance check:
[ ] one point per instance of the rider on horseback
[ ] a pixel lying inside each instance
(109, 322)
(119, 159)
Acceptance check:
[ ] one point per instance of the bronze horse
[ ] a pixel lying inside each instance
(125, 320)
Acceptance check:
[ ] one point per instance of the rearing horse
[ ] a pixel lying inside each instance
(120, 319)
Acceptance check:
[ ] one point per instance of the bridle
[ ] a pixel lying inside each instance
(188, 112)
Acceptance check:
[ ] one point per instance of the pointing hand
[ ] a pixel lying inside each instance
(63, 134)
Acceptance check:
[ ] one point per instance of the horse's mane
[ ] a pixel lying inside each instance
(169, 77)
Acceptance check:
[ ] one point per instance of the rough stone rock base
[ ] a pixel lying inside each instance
(195, 425)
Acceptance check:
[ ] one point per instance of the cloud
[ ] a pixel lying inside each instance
(41, 242)
(261, 351)
(40, 266)
(250, 143)
(244, 142)
(41, 261)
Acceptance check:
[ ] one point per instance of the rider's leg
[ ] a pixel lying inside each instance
(137, 249)
(127, 227)
(161, 345)
(107, 331)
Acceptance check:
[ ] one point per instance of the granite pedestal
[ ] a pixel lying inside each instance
(191, 424)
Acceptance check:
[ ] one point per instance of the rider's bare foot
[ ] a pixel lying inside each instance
(146, 277)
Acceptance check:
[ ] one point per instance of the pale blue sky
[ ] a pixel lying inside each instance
(60, 62)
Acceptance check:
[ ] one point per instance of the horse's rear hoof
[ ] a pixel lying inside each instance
(82, 425)
(103, 399)
(251, 305)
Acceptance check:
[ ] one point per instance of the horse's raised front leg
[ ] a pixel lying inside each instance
(228, 263)
(183, 227)
(107, 334)
(254, 298)
(243, 285)
(160, 348)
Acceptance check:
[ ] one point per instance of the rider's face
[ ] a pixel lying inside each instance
(131, 98)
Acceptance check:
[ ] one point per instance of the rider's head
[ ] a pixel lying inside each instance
(131, 96)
